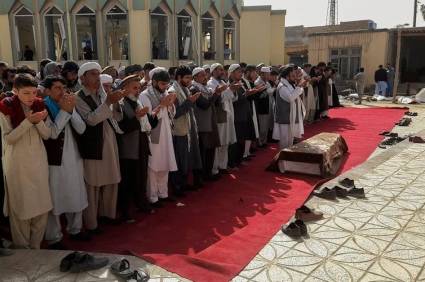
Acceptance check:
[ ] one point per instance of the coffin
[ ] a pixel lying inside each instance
(319, 155)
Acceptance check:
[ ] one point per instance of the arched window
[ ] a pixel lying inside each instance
(159, 34)
(55, 34)
(184, 35)
(229, 37)
(85, 23)
(24, 35)
(208, 36)
(117, 33)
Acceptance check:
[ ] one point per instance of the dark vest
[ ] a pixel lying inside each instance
(283, 109)
(90, 143)
(54, 147)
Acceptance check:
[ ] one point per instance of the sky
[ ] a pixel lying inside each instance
(386, 13)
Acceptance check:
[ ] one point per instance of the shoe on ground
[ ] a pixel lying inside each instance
(85, 262)
(122, 269)
(326, 193)
(67, 261)
(306, 214)
(416, 139)
(357, 193)
(292, 230)
(347, 182)
(5, 252)
(341, 192)
(139, 276)
(80, 236)
(302, 226)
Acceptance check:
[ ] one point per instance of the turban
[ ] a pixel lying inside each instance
(234, 67)
(214, 66)
(106, 78)
(88, 67)
(197, 70)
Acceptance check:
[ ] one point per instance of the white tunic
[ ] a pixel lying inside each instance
(226, 131)
(162, 154)
(283, 132)
(67, 186)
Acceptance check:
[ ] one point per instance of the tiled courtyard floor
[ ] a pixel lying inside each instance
(381, 238)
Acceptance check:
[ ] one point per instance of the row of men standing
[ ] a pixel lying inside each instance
(76, 154)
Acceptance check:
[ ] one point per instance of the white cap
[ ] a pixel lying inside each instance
(265, 69)
(197, 70)
(106, 78)
(88, 67)
(234, 67)
(214, 66)
(206, 67)
(260, 65)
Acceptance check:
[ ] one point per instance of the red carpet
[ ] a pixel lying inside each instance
(223, 226)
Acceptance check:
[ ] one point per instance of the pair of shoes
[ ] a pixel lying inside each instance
(57, 246)
(352, 191)
(306, 214)
(80, 236)
(411, 114)
(80, 262)
(416, 139)
(295, 230)
(404, 122)
(122, 270)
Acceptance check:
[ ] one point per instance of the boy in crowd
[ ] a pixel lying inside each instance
(25, 163)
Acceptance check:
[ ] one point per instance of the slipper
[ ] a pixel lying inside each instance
(384, 133)
(357, 193)
(138, 276)
(341, 192)
(326, 193)
(68, 260)
(347, 182)
(302, 226)
(292, 230)
(122, 269)
(416, 139)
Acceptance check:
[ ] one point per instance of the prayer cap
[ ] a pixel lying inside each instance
(214, 66)
(234, 67)
(206, 67)
(106, 78)
(88, 67)
(265, 69)
(197, 70)
(259, 66)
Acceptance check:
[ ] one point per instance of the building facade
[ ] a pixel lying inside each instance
(122, 32)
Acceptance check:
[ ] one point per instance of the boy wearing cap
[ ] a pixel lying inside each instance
(133, 144)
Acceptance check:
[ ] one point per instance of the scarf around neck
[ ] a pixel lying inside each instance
(52, 107)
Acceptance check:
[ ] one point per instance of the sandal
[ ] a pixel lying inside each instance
(138, 276)
(122, 269)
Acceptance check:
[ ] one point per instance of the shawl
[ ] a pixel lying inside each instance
(11, 106)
